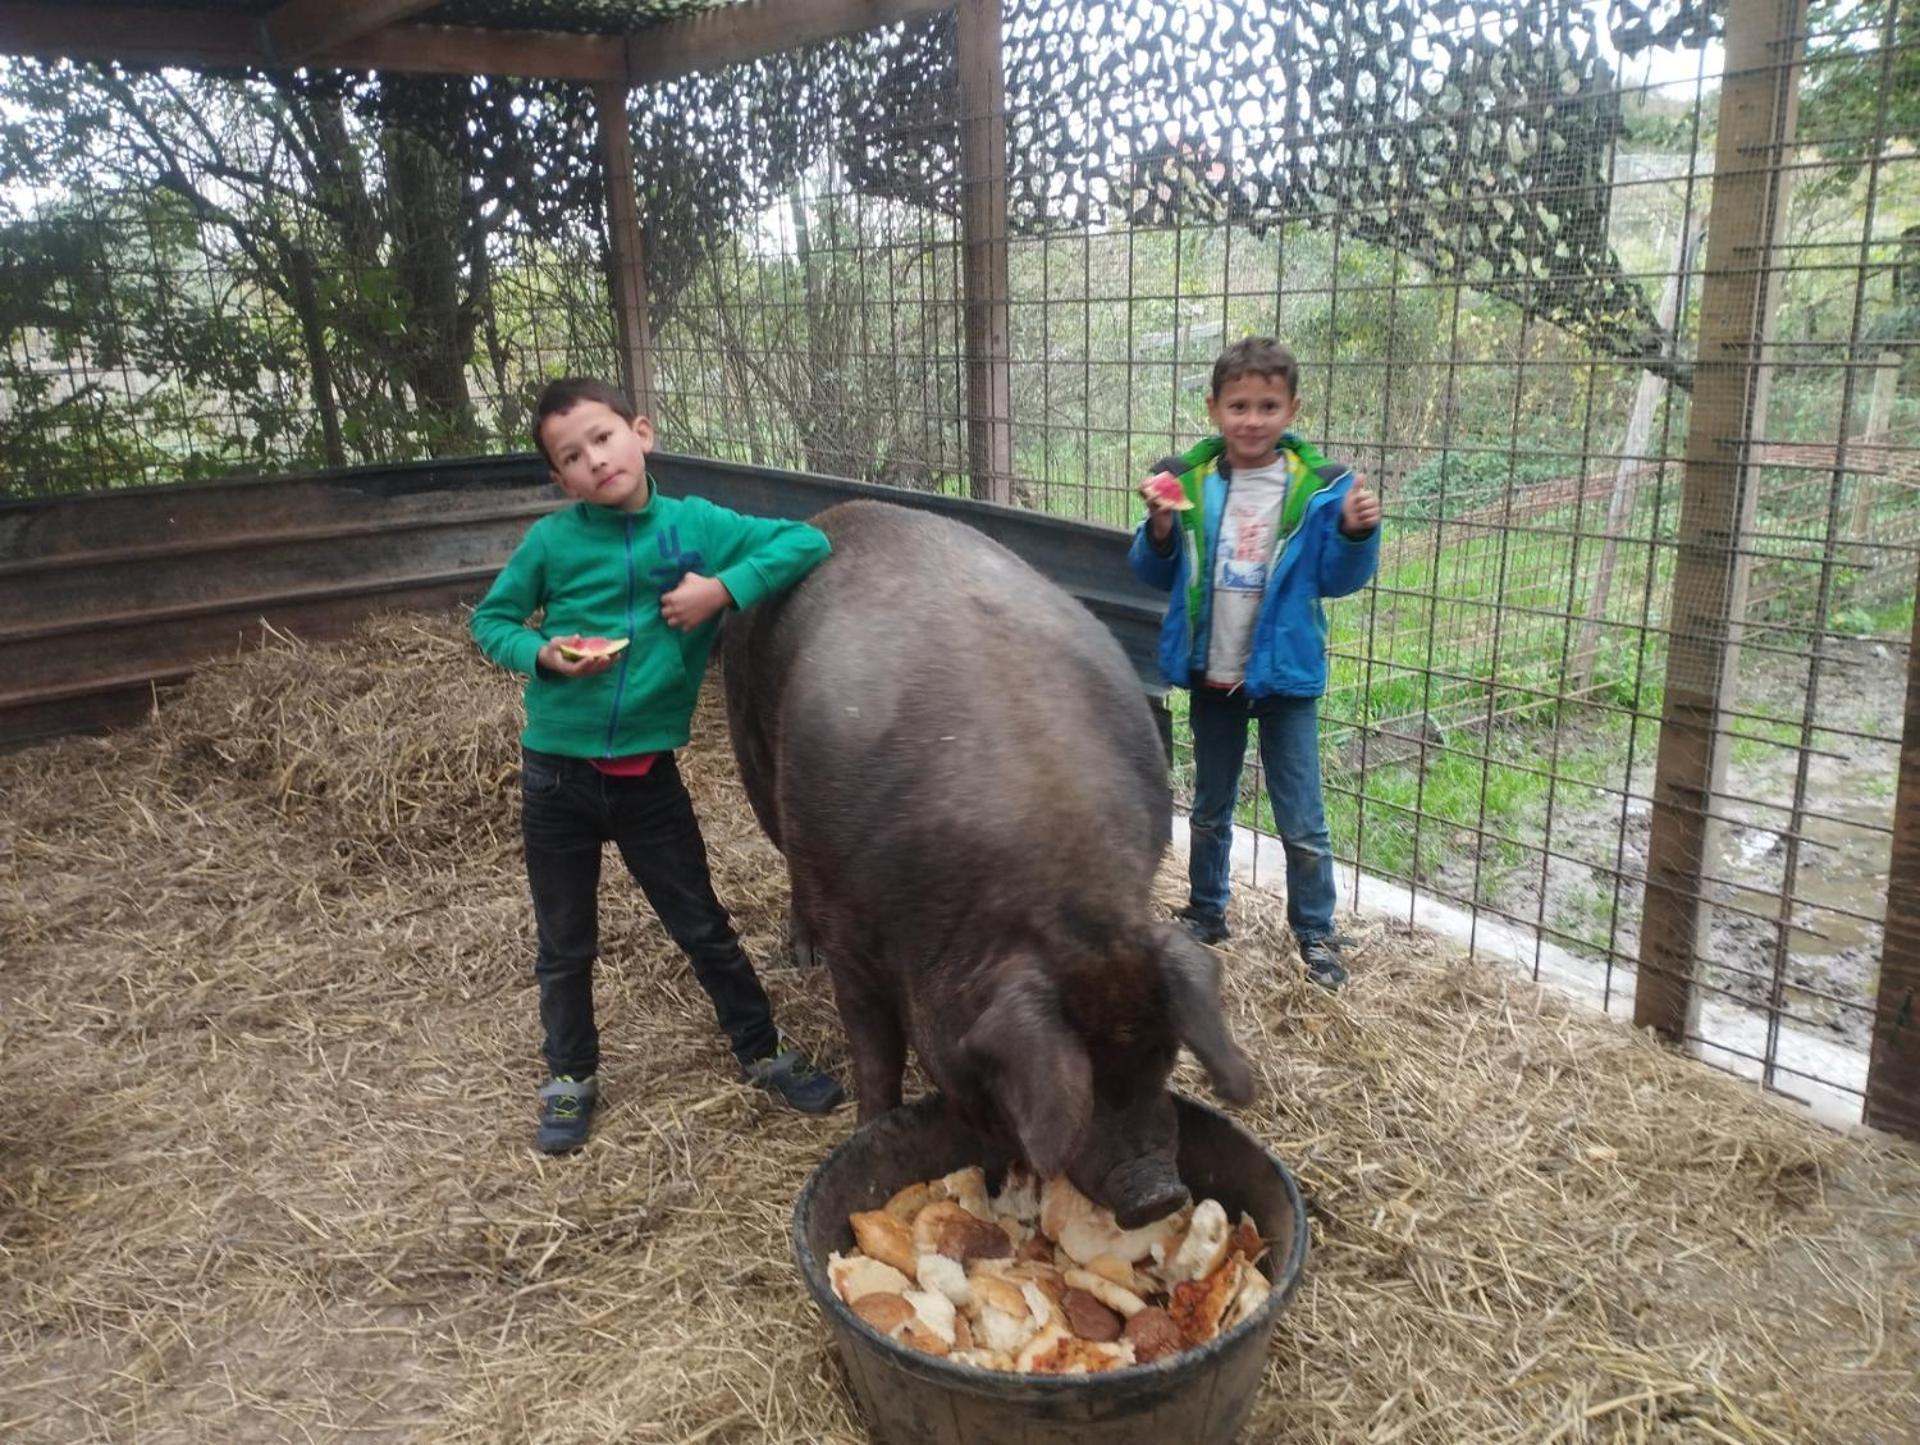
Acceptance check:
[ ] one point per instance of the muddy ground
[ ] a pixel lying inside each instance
(1829, 968)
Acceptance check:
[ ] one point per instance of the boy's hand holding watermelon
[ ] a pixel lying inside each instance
(579, 656)
(1164, 496)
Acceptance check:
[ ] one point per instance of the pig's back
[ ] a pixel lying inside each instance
(950, 714)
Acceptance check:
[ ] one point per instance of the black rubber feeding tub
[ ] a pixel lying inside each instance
(1199, 1397)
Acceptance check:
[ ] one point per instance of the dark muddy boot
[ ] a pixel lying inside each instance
(1205, 927)
(790, 1077)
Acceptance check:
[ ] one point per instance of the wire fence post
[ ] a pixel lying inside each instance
(983, 212)
(1746, 221)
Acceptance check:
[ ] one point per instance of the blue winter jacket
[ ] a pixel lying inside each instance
(1289, 650)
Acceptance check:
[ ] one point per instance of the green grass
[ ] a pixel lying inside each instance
(1466, 639)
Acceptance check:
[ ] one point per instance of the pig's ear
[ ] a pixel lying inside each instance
(1035, 1067)
(1193, 1003)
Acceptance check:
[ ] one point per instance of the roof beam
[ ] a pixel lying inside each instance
(465, 50)
(136, 35)
(728, 34)
(300, 29)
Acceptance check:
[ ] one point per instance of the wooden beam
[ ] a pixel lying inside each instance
(632, 333)
(136, 36)
(133, 35)
(983, 223)
(360, 35)
(733, 33)
(300, 29)
(462, 50)
(1739, 298)
(1893, 1068)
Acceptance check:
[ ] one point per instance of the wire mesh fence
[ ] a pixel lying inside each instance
(1494, 236)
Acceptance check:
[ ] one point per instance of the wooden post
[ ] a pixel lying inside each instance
(983, 223)
(1886, 380)
(632, 335)
(1893, 1068)
(1738, 300)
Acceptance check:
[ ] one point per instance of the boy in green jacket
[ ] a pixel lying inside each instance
(649, 575)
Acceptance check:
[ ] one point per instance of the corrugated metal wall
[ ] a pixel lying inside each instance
(107, 596)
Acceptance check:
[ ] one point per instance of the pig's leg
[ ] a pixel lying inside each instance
(802, 936)
(800, 939)
(878, 1042)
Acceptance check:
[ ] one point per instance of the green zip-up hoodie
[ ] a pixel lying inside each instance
(601, 572)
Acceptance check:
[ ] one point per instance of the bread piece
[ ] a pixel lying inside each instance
(1119, 1271)
(1037, 1247)
(1039, 1345)
(1052, 1282)
(968, 1189)
(1198, 1306)
(1088, 1318)
(1001, 1332)
(887, 1313)
(948, 1228)
(1051, 1353)
(1019, 1196)
(1042, 1306)
(1123, 1301)
(1205, 1246)
(996, 1290)
(855, 1275)
(1246, 1239)
(1253, 1293)
(1153, 1335)
(1086, 1230)
(934, 1312)
(944, 1276)
(983, 1359)
(907, 1204)
(885, 1238)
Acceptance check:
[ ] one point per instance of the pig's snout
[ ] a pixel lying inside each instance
(1143, 1190)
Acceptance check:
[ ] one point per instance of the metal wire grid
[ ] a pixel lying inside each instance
(1489, 739)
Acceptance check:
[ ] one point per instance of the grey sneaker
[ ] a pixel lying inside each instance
(566, 1113)
(1323, 961)
(789, 1076)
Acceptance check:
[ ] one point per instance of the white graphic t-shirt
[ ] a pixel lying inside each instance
(1249, 536)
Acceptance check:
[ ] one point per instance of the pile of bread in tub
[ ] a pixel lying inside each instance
(1038, 1278)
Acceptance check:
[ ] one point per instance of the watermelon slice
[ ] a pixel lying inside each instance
(1165, 489)
(579, 649)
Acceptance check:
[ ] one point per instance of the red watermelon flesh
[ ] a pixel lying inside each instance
(1166, 489)
(579, 649)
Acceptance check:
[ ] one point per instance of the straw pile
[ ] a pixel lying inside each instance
(268, 1051)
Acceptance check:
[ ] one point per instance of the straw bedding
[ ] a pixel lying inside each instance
(268, 1049)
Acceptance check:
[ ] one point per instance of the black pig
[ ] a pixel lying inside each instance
(965, 778)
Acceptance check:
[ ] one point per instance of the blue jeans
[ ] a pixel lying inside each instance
(1290, 753)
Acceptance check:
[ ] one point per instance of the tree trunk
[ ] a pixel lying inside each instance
(437, 342)
(313, 335)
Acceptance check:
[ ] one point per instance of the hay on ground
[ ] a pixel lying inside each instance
(268, 1049)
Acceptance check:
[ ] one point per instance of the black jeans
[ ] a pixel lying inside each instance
(570, 808)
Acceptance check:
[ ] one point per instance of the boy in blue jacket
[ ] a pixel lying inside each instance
(1261, 528)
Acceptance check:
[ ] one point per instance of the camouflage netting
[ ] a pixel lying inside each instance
(1475, 139)
(1492, 170)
